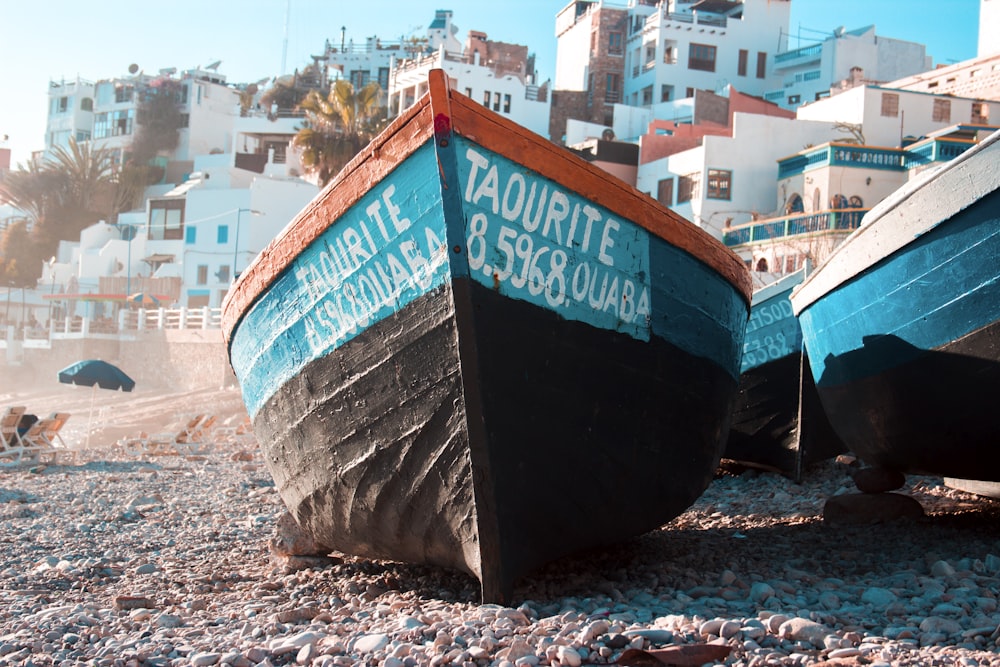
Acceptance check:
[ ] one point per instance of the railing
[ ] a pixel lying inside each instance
(132, 321)
(695, 17)
(813, 51)
(840, 220)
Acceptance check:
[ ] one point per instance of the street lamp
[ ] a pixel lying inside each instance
(129, 229)
(236, 241)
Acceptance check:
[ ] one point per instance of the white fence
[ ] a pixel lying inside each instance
(128, 322)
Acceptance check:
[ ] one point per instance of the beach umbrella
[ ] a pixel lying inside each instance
(143, 299)
(96, 373)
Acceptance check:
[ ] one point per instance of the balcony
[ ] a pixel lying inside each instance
(800, 224)
(807, 54)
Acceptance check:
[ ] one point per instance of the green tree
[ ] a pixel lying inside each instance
(338, 126)
(158, 119)
(62, 195)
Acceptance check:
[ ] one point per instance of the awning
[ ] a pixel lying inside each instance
(158, 259)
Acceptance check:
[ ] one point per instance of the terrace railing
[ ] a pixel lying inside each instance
(799, 224)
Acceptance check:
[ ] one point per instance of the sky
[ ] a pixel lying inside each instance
(52, 40)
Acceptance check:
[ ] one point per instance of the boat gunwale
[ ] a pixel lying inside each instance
(872, 242)
(409, 131)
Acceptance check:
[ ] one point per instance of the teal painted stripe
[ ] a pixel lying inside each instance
(941, 287)
(525, 236)
(532, 239)
(383, 253)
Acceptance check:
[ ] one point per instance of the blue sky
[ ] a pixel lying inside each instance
(43, 40)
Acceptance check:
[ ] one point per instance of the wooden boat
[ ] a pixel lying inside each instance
(475, 350)
(778, 422)
(902, 324)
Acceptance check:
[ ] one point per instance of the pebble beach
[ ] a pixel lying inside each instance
(115, 560)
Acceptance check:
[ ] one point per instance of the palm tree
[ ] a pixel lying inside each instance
(338, 126)
(32, 188)
(88, 169)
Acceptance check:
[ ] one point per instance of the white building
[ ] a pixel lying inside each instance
(847, 57)
(678, 46)
(185, 246)
(888, 116)
(105, 113)
(989, 19)
(728, 180)
(497, 74)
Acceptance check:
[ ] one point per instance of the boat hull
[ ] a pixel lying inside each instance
(905, 347)
(453, 358)
(778, 421)
(603, 458)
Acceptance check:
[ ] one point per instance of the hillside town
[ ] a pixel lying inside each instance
(777, 152)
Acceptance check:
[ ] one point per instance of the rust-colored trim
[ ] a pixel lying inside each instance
(402, 137)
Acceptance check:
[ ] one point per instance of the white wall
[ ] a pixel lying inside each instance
(752, 154)
(989, 35)
(863, 105)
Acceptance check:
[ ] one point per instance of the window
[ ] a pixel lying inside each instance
(890, 105)
(980, 113)
(701, 57)
(615, 47)
(506, 103)
(669, 52)
(486, 98)
(942, 111)
(166, 219)
(202, 278)
(687, 187)
(666, 93)
(468, 92)
(223, 274)
(612, 93)
(741, 66)
(794, 99)
(190, 235)
(719, 182)
(114, 123)
(359, 78)
(650, 60)
(665, 192)
(688, 92)
(123, 93)
(761, 64)
(62, 104)
(82, 135)
(87, 104)
(647, 95)
(222, 234)
(383, 78)
(496, 101)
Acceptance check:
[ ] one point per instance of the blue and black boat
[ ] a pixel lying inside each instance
(475, 350)
(902, 324)
(778, 422)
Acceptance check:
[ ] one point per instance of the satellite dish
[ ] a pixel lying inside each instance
(214, 66)
(839, 32)
(133, 68)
